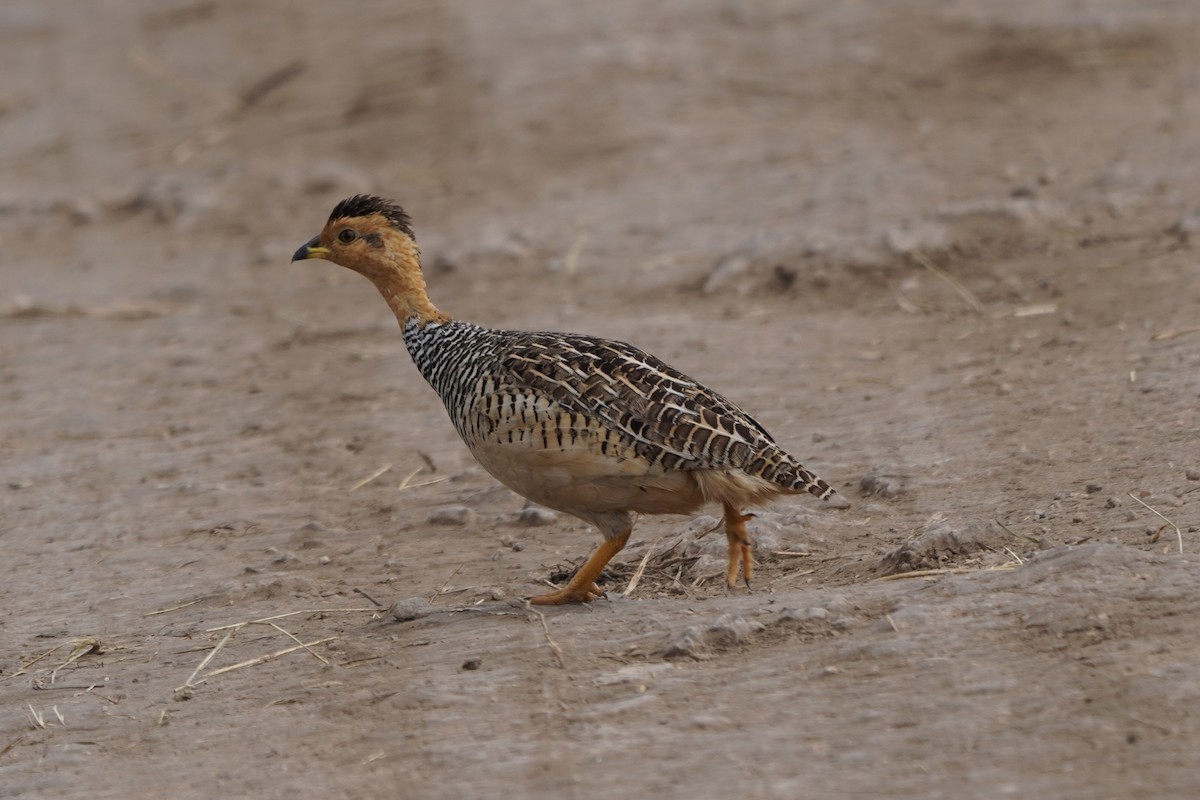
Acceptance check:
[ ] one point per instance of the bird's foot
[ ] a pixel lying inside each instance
(741, 558)
(569, 594)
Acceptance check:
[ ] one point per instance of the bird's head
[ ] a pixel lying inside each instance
(366, 234)
(374, 237)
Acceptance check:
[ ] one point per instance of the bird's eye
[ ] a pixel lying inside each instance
(346, 236)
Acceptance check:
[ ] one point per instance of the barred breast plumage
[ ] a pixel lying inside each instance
(592, 427)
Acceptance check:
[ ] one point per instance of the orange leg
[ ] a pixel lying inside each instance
(582, 588)
(740, 558)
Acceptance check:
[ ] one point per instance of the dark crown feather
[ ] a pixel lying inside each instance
(361, 205)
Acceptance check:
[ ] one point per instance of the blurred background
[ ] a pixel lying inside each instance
(650, 138)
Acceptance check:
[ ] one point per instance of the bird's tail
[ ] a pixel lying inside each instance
(806, 481)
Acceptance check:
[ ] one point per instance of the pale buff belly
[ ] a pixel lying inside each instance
(580, 480)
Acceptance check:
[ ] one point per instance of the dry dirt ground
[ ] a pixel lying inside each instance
(944, 250)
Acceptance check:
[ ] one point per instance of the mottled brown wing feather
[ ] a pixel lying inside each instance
(670, 418)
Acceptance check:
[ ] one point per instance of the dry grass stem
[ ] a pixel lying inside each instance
(370, 477)
(4, 750)
(558, 653)
(408, 479)
(1156, 512)
(1013, 533)
(292, 636)
(429, 482)
(292, 614)
(188, 683)
(25, 668)
(966, 294)
(1035, 310)
(931, 573)
(253, 662)
(364, 594)
(169, 610)
(637, 574)
(39, 721)
(446, 583)
(1164, 335)
(82, 647)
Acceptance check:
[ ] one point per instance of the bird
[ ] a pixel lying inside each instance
(584, 425)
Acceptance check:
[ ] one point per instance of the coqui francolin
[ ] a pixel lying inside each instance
(587, 426)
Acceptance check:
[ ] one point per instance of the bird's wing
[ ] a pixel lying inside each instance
(668, 418)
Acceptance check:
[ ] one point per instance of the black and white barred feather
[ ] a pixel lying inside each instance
(553, 386)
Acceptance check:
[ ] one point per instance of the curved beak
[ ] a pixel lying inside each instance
(311, 249)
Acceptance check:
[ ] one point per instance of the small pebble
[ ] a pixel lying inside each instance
(324, 560)
(879, 484)
(1112, 502)
(1193, 474)
(473, 663)
(411, 608)
(451, 515)
(1092, 488)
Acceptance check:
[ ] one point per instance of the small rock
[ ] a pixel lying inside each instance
(451, 515)
(410, 609)
(324, 560)
(535, 517)
(707, 566)
(814, 614)
(1092, 488)
(1112, 502)
(688, 644)
(472, 663)
(730, 629)
(698, 642)
(878, 483)
(1192, 474)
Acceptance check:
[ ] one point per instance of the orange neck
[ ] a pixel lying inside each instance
(400, 280)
